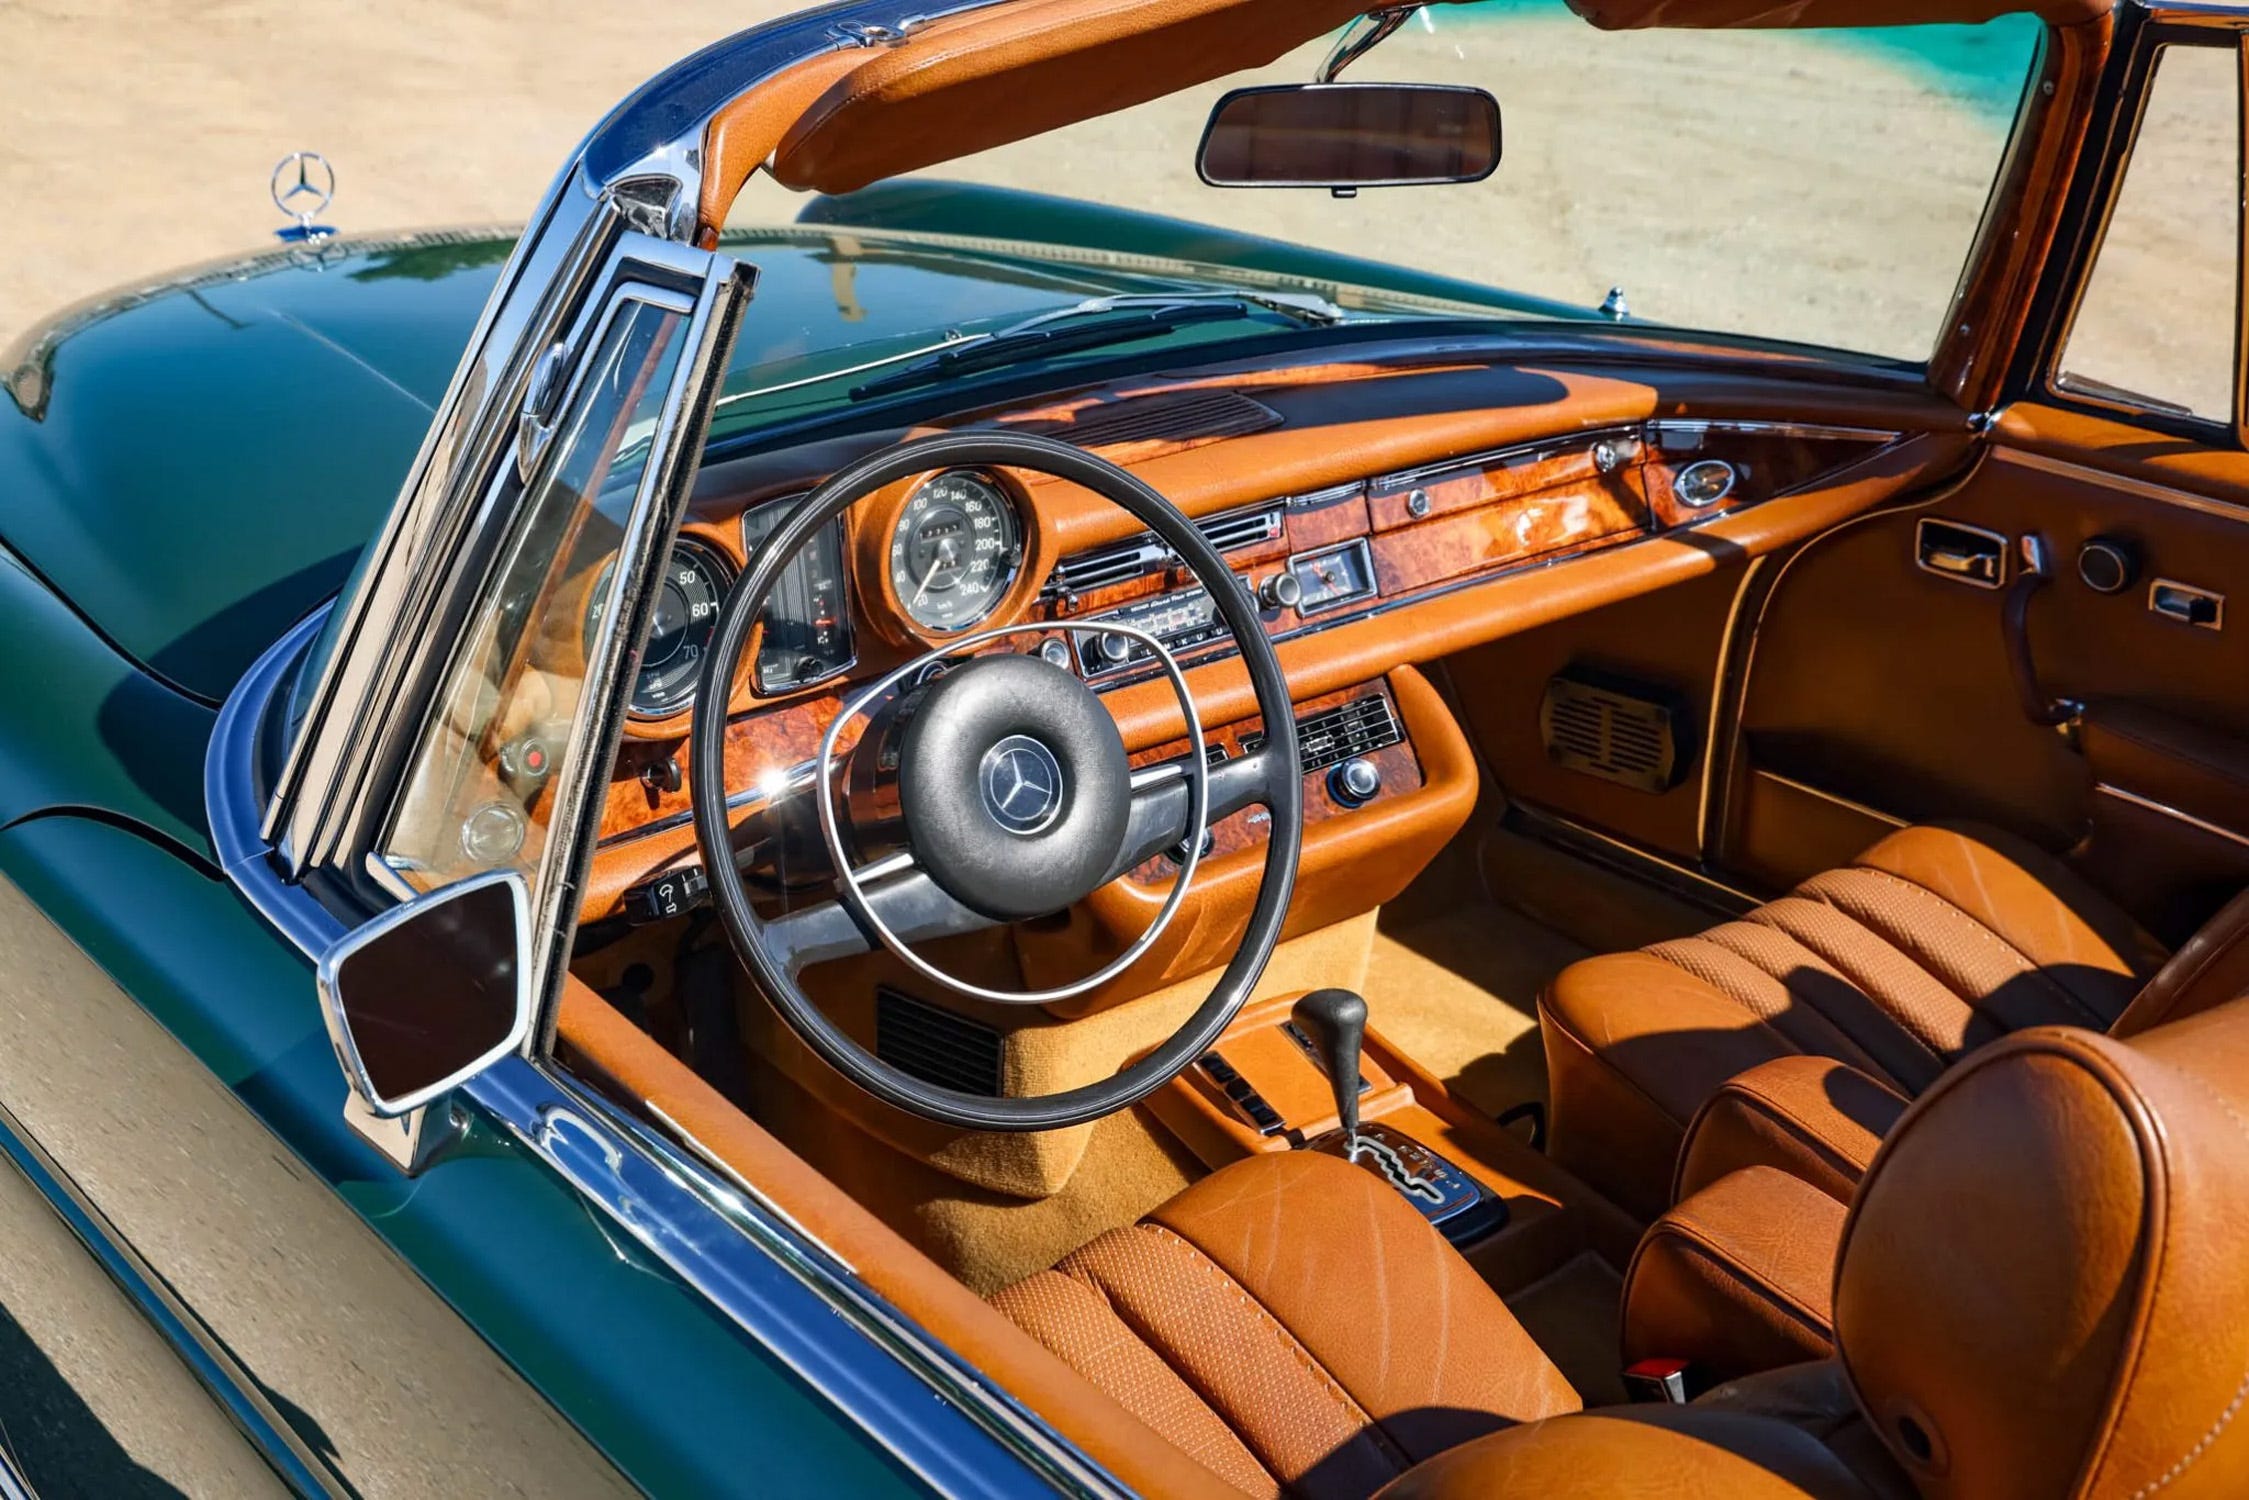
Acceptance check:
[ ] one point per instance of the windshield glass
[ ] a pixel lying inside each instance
(1819, 187)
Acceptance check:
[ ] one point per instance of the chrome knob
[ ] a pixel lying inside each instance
(1355, 782)
(1115, 646)
(1283, 590)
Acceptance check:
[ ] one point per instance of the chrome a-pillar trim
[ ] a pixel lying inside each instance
(639, 168)
(717, 1232)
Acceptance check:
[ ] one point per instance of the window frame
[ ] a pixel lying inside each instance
(2123, 100)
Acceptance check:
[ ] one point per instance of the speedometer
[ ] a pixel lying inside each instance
(686, 618)
(954, 551)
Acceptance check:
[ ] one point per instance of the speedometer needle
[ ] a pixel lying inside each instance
(942, 558)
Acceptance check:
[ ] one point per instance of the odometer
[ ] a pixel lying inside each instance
(954, 551)
(694, 586)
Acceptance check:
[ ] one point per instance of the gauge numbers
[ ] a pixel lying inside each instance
(686, 618)
(805, 634)
(954, 551)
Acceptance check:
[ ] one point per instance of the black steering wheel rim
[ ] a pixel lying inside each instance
(1284, 792)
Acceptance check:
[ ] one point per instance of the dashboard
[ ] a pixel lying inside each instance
(1367, 508)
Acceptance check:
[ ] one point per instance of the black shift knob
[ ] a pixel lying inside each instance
(1336, 1021)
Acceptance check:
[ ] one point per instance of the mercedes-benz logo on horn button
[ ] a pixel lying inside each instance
(1022, 784)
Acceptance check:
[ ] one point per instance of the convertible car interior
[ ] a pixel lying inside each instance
(1485, 909)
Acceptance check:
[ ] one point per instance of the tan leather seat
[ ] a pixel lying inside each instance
(2040, 1294)
(1294, 1325)
(1936, 941)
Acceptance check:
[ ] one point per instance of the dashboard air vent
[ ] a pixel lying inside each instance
(1189, 417)
(1618, 731)
(936, 1045)
(1085, 572)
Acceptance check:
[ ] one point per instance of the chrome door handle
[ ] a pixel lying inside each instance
(1963, 554)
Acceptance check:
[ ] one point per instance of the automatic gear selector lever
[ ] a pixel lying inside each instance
(1336, 1023)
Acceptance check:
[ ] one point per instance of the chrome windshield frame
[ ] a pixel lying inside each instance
(640, 168)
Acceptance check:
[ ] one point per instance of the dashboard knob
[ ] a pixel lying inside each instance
(1055, 652)
(1115, 646)
(1355, 782)
(1283, 590)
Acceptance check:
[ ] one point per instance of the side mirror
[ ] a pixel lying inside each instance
(1346, 136)
(431, 993)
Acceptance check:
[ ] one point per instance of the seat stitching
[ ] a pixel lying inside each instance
(2030, 965)
(1723, 986)
(1905, 1021)
(1833, 972)
(1789, 1122)
(1290, 1344)
(1733, 1270)
(1546, 1013)
(2240, 1391)
(1186, 1380)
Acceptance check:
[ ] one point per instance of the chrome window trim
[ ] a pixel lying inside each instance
(649, 150)
(717, 1232)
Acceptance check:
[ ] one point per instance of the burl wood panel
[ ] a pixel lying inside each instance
(1399, 768)
(756, 745)
(1502, 478)
(1767, 464)
(1567, 518)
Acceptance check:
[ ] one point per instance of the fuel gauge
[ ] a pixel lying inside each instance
(807, 623)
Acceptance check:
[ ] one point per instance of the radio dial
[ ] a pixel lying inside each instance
(1114, 646)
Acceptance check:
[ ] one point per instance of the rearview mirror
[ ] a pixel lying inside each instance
(431, 993)
(1351, 135)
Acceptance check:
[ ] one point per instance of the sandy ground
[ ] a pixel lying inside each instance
(1765, 182)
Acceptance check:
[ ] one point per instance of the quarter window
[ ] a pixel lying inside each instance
(479, 793)
(2156, 325)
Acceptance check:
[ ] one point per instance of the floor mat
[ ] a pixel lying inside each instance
(1454, 981)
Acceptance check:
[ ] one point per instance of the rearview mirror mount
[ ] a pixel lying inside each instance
(431, 993)
(1346, 136)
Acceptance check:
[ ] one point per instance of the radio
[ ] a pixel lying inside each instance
(1182, 621)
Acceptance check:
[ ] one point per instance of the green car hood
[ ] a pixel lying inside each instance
(193, 465)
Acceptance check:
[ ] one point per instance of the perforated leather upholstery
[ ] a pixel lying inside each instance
(1936, 941)
(1294, 1325)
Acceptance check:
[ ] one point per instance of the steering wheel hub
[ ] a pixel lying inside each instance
(1014, 786)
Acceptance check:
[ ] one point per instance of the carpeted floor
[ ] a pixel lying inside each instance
(1454, 980)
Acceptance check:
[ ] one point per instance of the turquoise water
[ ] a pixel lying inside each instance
(1984, 65)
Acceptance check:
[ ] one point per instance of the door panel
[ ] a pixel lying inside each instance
(1875, 680)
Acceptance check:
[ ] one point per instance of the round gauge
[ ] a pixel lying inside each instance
(954, 551)
(686, 618)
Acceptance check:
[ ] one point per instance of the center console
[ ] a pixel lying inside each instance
(1264, 1087)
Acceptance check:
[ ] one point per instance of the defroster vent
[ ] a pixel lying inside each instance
(1620, 731)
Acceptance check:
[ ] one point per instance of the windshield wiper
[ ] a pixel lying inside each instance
(1094, 324)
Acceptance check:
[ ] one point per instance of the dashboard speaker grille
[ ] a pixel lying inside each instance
(1627, 733)
(935, 1045)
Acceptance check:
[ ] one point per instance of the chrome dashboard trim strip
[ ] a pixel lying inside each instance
(726, 1240)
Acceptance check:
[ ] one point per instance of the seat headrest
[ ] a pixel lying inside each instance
(2044, 1282)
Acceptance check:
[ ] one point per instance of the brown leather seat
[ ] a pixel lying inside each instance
(1936, 941)
(2040, 1294)
(1294, 1325)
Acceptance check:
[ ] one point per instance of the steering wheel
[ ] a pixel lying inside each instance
(1004, 788)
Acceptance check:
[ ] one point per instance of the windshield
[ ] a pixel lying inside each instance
(1819, 187)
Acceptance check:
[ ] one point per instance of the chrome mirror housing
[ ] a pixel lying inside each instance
(430, 993)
